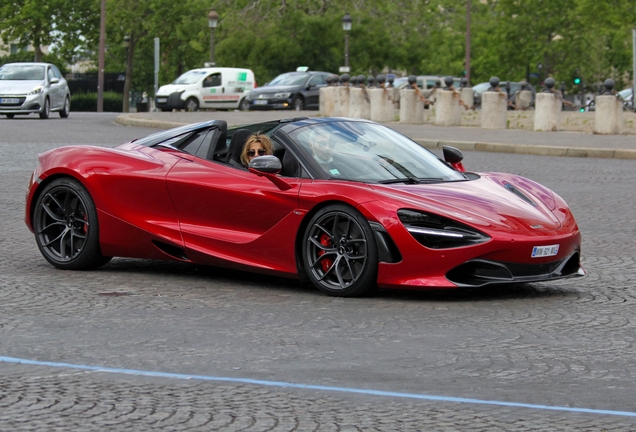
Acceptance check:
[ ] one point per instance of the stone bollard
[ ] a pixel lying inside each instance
(494, 107)
(327, 96)
(466, 94)
(341, 99)
(447, 108)
(359, 106)
(381, 102)
(609, 111)
(547, 109)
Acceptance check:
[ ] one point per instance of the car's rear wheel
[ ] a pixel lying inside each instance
(339, 252)
(192, 104)
(66, 109)
(244, 105)
(10, 116)
(298, 103)
(66, 227)
(46, 109)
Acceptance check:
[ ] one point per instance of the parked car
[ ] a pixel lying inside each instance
(627, 96)
(218, 88)
(425, 82)
(27, 88)
(298, 91)
(509, 87)
(377, 211)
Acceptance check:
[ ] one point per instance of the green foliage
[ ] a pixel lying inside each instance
(88, 102)
(24, 56)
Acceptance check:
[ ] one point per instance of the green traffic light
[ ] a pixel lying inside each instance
(581, 109)
(577, 81)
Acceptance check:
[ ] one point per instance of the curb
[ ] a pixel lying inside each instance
(538, 150)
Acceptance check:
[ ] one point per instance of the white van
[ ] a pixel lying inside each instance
(216, 87)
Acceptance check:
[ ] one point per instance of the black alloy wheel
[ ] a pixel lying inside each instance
(66, 227)
(339, 252)
(46, 109)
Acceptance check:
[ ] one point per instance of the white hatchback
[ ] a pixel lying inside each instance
(27, 88)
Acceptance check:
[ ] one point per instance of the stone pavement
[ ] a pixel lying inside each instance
(575, 142)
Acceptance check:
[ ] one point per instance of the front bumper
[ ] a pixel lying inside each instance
(21, 104)
(170, 102)
(270, 104)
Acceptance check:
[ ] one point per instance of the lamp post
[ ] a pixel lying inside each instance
(128, 75)
(213, 19)
(346, 26)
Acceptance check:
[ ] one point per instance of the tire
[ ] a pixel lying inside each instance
(244, 105)
(66, 226)
(339, 253)
(192, 105)
(46, 109)
(66, 109)
(10, 116)
(298, 103)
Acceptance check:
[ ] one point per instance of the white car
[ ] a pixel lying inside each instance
(218, 88)
(27, 88)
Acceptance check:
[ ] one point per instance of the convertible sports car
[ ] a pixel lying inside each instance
(350, 205)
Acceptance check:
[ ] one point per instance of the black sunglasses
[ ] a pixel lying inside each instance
(261, 152)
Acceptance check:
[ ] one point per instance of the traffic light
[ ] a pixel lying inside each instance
(577, 77)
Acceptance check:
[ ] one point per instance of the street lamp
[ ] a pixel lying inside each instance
(213, 19)
(346, 26)
(127, 80)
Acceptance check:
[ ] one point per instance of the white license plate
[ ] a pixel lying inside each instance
(260, 102)
(9, 101)
(545, 251)
(162, 100)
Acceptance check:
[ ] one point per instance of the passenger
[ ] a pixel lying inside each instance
(322, 151)
(256, 145)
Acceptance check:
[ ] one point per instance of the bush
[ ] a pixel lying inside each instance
(113, 102)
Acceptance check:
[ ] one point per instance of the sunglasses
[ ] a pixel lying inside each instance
(261, 152)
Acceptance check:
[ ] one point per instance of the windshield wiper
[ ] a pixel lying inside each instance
(412, 180)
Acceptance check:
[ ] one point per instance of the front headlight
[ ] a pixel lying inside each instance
(36, 90)
(282, 95)
(437, 232)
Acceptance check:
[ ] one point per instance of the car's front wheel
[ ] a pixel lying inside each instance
(66, 227)
(66, 109)
(244, 105)
(10, 116)
(298, 103)
(46, 109)
(192, 104)
(339, 253)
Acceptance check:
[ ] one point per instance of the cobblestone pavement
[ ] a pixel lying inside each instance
(561, 344)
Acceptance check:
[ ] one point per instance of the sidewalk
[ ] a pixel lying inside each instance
(573, 143)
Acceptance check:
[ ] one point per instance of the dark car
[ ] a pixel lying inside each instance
(291, 90)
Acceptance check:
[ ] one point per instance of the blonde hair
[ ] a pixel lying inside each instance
(256, 138)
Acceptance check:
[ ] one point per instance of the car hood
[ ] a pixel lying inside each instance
(499, 202)
(18, 87)
(171, 88)
(275, 89)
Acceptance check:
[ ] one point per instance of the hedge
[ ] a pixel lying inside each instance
(113, 102)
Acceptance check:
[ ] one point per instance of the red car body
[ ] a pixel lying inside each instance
(156, 201)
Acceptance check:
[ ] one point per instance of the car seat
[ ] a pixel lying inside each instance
(239, 137)
(290, 166)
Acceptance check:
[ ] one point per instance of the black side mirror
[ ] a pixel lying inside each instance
(452, 155)
(266, 164)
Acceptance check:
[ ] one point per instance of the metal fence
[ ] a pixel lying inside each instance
(87, 82)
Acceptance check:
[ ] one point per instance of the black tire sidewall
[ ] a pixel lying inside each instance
(90, 257)
(298, 100)
(46, 109)
(196, 102)
(367, 283)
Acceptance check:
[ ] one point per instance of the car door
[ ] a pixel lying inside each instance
(232, 217)
(314, 84)
(55, 88)
(212, 91)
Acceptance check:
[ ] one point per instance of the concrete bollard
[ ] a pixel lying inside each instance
(381, 109)
(327, 96)
(467, 97)
(523, 99)
(341, 102)
(359, 106)
(609, 111)
(494, 107)
(448, 111)
(547, 112)
(411, 107)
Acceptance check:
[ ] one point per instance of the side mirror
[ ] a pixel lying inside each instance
(55, 80)
(266, 164)
(454, 156)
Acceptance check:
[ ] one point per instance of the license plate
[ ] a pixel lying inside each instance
(545, 251)
(9, 101)
(162, 100)
(260, 102)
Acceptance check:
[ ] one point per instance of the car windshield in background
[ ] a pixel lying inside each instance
(376, 154)
(190, 77)
(289, 79)
(17, 72)
(482, 87)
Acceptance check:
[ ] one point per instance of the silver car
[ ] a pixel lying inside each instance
(27, 88)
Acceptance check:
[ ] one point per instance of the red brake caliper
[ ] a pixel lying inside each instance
(326, 264)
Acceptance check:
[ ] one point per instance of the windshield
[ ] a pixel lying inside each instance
(480, 88)
(17, 72)
(289, 79)
(625, 94)
(191, 77)
(372, 153)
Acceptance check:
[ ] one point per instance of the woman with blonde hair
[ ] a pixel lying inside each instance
(256, 145)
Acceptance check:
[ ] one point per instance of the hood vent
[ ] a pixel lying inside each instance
(520, 194)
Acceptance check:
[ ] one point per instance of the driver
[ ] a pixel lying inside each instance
(322, 151)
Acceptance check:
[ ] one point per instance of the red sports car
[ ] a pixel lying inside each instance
(350, 205)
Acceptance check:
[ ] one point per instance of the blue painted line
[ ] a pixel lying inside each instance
(315, 387)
